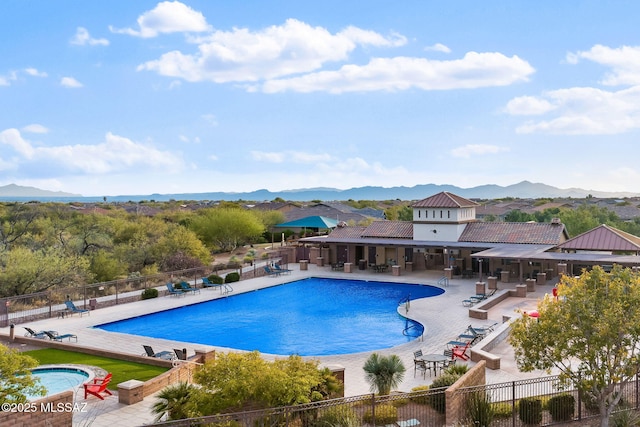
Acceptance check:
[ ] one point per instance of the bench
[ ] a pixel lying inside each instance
(98, 387)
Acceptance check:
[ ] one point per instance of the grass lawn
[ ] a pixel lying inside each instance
(121, 370)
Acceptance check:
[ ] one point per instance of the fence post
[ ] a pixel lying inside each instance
(579, 397)
(513, 403)
(636, 389)
(373, 408)
(116, 292)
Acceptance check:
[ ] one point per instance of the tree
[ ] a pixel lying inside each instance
(596, 323)
(227, 228)
(15, 376)
(383, 373)
(173, 402)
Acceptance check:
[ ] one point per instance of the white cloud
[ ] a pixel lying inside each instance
(82, 38)
(299, 157)
(528, 105)
(623, 61)
(438, 47)
(242, 55)
(587, 111)
(473, 150)
(35, 128)
(35, 73)
(474, 70)
(268, 157)
(167, 17)
(70, 82)
(115, 154)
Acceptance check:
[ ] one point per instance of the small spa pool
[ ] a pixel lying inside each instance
(309, 317)
(58, 378)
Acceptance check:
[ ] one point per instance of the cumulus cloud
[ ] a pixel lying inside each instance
(114, 154)
(242, 55)
(587, 111)
(12, 76)
(82, 38)
(474, 70)
(35, 73)
(167, 17)
(70, 82)
(35, 128)
(528, 105)
(473, 150)
(438, 47)
(623, 61)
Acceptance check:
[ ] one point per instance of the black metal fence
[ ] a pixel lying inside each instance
(539, 401)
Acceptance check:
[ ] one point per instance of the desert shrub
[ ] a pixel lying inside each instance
(418, 395)
(219, 266)
(385, 414)
(479, 409)
(625, 418)
(437, 399)
(215, 279)
(342, 416)
(232, 277)
(502, 410)
(248, 259)
(562, 407)
(530, 410)
(457, 369)
(150, 293)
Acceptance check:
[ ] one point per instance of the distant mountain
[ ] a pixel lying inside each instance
(522, 190)
(13, 190)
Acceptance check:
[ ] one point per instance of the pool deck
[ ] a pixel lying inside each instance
(444, 318)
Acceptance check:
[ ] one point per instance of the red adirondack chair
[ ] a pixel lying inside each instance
(98, 387)
(459, 352)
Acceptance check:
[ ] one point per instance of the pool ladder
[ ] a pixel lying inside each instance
(407, 303)
(226, 288)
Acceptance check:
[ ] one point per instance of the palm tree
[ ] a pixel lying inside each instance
(172, 402)
(383, 372)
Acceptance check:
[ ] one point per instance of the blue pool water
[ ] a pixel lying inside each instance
(310, 317)
(59, 379)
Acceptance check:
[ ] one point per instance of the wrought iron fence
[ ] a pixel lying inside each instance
(539, 401)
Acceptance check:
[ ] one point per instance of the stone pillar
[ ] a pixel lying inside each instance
(395, 270)
(541, 279)
(320, 261)
(348, 267)
(521, 291)
(504, 276)
(492, 281)
(448, 273)
(203, 356)
(130, 392)
(408, 266)
(481, 288)
(304, 264)
(531, 285)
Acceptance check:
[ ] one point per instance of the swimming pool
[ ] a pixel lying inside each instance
(57, 378)
(309, 317)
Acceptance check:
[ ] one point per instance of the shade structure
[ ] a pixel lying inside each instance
(310, 222)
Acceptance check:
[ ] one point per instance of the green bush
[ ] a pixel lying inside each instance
(456, 369)
(342, 416)
(215, 279)
(232, 277)
(530, 410)
(418, 395)
(502, 410)
(479, 409)
(150, 293)
(562, 407)
(385, 414)
(437, 399)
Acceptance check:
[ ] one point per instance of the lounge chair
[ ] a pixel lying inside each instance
(97, 387)
(59, 338)
(167, 355)
(270, 272)
(206, 283)
(413, 422)
(40, 334)
(277, 268)
(188, 288)
(71, 307)
(173, 291)
(180, 354)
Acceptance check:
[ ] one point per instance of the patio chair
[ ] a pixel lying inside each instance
(59, 338)
(173, 291)
(419, 364)
(206, 283)
(460, 352)
(40, 334)
(277, 268)
(271, 272)
(180, 354)
(188, 288)
(166, 355)
(71, 307)
(97, 387)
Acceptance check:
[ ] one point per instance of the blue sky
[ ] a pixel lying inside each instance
(120, 97)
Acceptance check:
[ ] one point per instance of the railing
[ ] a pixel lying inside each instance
(443, 281)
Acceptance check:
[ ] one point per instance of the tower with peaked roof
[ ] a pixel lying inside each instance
(442, 217)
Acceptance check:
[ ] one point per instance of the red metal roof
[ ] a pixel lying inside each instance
(514, 232)
(389, 229)
(445, 200)
(603, 238)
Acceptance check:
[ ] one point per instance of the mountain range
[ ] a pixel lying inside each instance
(522, 190)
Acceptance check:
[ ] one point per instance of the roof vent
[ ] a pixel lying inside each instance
(556, 221)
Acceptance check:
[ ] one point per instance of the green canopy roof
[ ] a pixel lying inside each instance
(311, 222)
